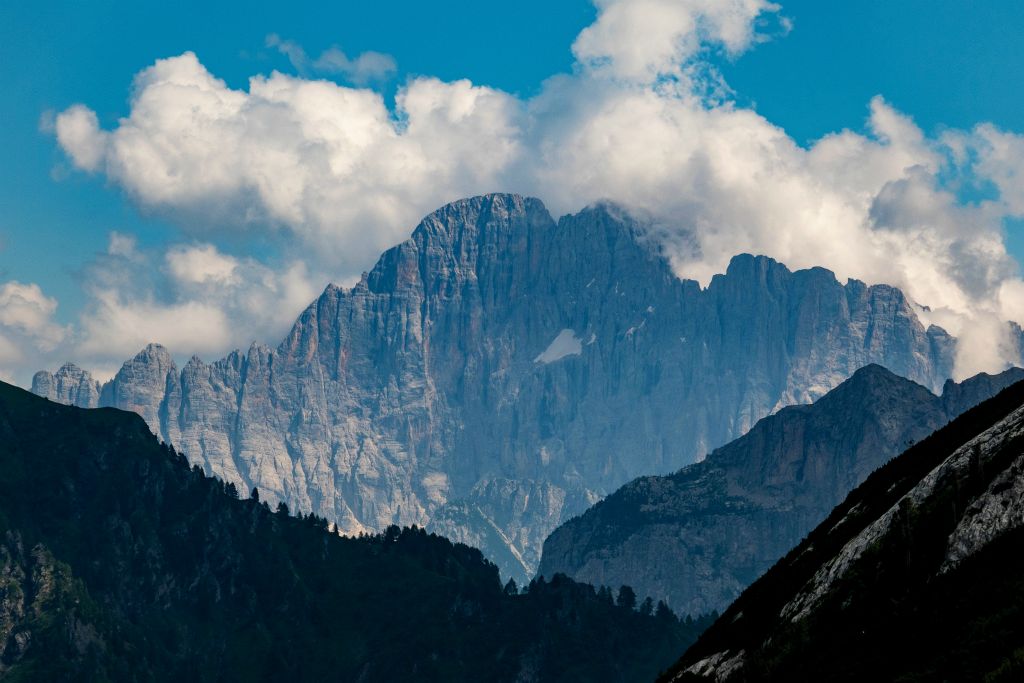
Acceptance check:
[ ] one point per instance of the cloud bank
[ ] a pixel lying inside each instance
(643, 120)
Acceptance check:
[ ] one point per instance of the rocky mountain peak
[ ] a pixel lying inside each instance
(875, 381)
(496, 350)
(959, 396)
(464, 218)
(154, 359)
(469, 231)
(70, 384)
(757, 267)
(141, 384)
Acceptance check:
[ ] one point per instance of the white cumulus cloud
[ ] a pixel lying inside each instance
(644, 39)
(336, 174)
(328, 163)
(192, 298)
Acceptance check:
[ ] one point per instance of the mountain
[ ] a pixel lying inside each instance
(916, 576)
(500, 372)
(697, 538)
(119, 562)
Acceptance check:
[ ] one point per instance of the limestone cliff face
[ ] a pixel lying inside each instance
(69, 385)
(498, 372)
(697, 538)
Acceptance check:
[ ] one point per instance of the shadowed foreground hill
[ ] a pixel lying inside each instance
(917, 576)
(697, 538)
(119, 562)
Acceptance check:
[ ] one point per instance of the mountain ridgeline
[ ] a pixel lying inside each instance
(499, 372)
(697, 538)
(917, 576)
(120, 562)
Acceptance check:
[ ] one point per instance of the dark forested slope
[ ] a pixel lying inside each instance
(120, 562)
(697, 538)
(917, 576)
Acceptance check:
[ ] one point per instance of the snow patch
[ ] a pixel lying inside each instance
(565, 344)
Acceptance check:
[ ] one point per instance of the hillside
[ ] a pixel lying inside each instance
(120, 562)
(698, 537)
(916, 576)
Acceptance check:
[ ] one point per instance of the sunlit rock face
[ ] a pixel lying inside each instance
(500, 371)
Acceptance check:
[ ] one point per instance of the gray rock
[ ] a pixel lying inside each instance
(70, 385)
(697, 538)
(433, 392)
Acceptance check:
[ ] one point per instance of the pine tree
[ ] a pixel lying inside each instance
(664, 613)
(627, 598)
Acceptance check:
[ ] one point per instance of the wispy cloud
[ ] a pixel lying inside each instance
(367, 67)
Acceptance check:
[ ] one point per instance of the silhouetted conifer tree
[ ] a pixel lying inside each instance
(664, 613)
(627, 598)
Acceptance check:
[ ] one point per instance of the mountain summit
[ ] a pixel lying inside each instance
(499, 372)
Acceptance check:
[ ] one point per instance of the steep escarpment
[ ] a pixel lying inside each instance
(499, 351)
(120, 562)
(915, 576)
(697, 538)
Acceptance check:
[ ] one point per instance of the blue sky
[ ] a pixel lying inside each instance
(948, 65)
(56, 54)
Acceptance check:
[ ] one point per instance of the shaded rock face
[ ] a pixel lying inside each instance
(498, 372)
(35, 592)
(916, 575)
(697, 538)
